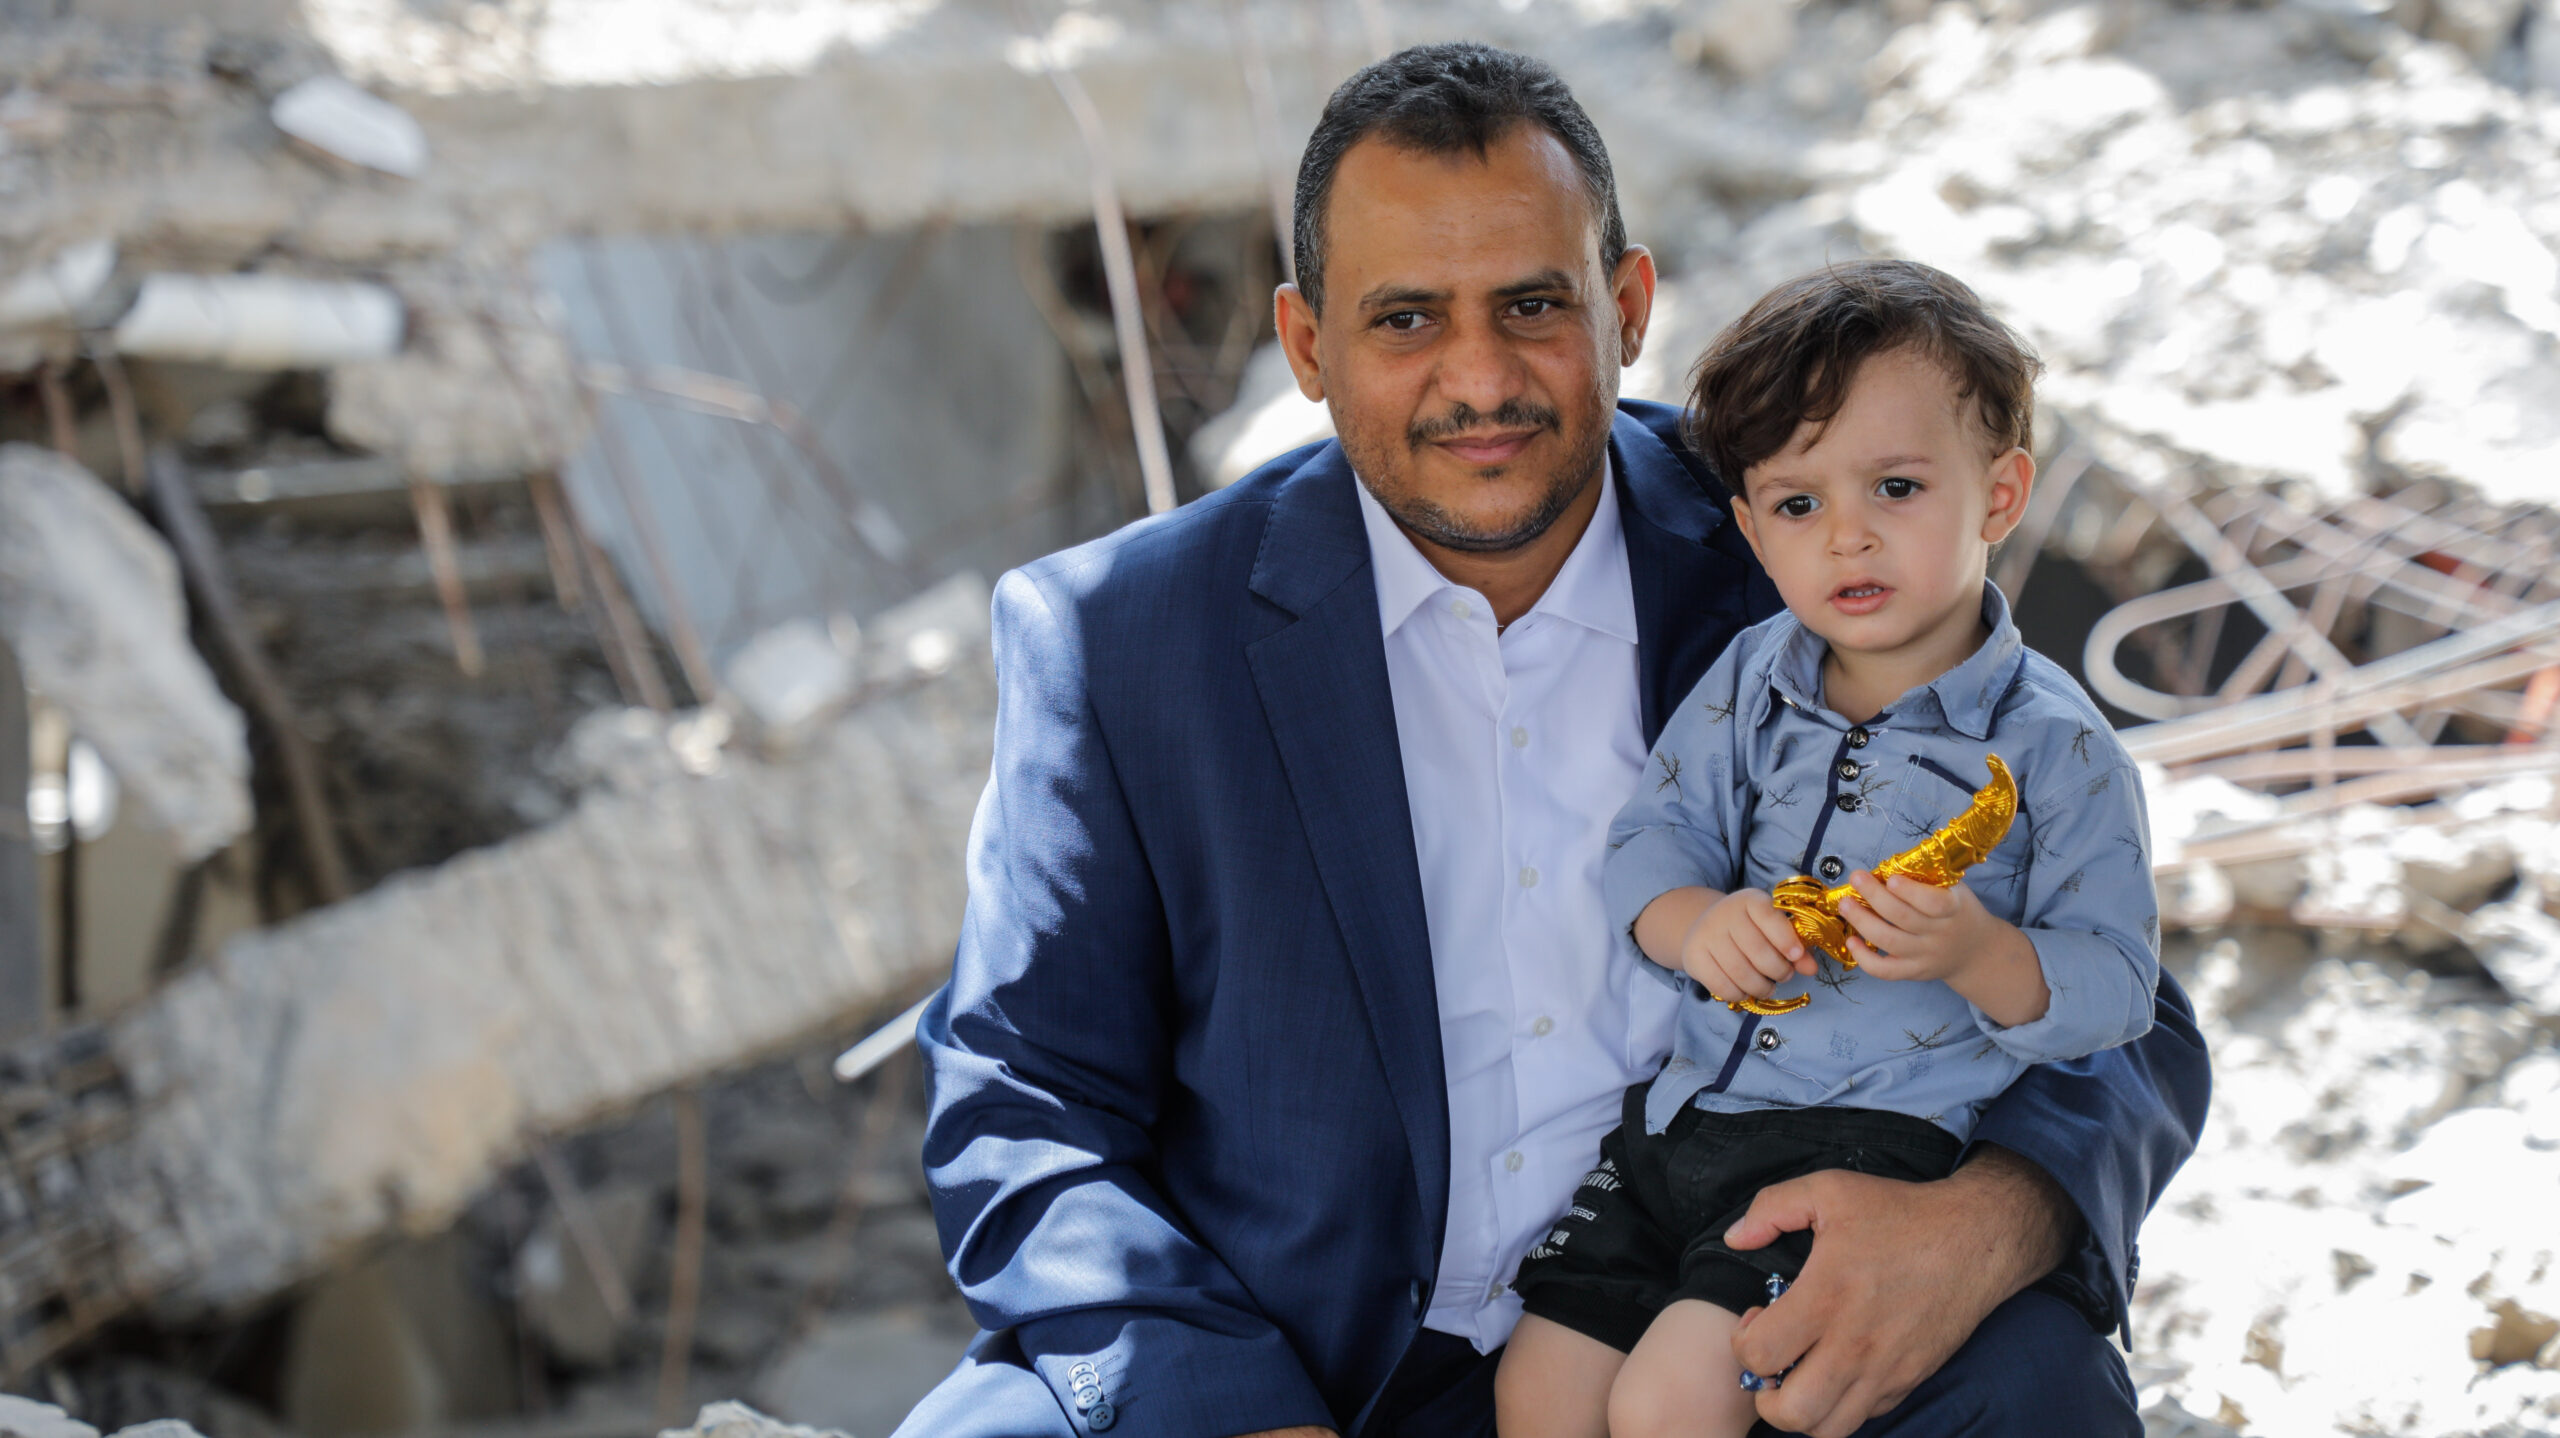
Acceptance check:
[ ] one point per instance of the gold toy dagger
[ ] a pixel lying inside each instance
(1941, 859)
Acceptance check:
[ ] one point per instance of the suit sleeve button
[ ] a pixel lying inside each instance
(1101, 1417)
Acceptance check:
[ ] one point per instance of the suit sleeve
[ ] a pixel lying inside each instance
(1048, 1055)
(2111, 1127)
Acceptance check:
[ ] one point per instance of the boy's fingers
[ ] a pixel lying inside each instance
(1927, 899)
(1879, 899)
(1865, 923)
(1741, 979)
(1781, 933)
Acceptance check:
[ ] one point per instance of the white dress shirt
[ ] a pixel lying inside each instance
(1519, 748)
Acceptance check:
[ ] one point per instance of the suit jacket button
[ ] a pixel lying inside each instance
(1101, 1417)
(1421, 1297)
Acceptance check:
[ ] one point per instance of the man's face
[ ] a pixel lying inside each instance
(1470, 343)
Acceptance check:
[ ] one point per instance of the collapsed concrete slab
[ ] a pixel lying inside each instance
(370, 1066)
(90, 603)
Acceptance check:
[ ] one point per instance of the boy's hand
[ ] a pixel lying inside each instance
(1906, 929)
(1743, 946)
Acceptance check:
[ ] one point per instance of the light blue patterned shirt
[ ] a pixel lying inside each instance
(1754, 781)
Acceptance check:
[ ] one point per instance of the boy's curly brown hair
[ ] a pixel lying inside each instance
(1792, 355)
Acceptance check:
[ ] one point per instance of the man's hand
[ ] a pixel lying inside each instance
(1900, 1276)
(1738, 945)
(1902, 928)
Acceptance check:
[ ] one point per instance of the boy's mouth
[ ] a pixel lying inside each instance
(1862, 597)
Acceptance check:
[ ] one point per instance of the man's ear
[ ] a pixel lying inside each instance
(1632, 288)
(2013, 480)
(1295, 319)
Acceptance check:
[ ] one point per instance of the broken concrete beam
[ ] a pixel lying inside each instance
(261, 322)
(346, 123)
(370, 1066)
(90, 603)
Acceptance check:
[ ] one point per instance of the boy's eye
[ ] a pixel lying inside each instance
(1796, 506)
(1897, 487)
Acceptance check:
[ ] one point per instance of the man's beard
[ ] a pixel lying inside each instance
(1436, 524)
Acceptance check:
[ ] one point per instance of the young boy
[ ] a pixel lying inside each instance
(1873, 423)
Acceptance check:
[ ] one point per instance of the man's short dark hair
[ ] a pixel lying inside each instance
(1791, 357)
(1439, 100)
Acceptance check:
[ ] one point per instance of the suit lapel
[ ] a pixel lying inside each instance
(1696, 585)
(1323, 683)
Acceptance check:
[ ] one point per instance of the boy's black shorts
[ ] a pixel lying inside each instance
(1647, 1226)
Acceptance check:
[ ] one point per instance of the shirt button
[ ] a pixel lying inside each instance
(1848, 768)
(1543, 1027)
(1493, 1294)
(1528, 877)
(1831, 868)
(1848, 803)
(1858, 737)
(1511, 1162)
(1519, 738)
(1461, 608)
(1768, 1040)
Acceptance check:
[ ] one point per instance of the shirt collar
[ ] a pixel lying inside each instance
(1594, 589)
(1967, 696)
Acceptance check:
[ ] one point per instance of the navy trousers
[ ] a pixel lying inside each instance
(2032, 1370)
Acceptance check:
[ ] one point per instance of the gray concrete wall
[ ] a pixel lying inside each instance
(21, 944)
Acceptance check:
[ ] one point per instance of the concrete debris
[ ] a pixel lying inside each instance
(369, 1066)
(2363, 1239)
(260, 321)
(737, 1420)
(59, 291)
(337, 118)
(795, 674)
(859, 1374)
(2518, 942)
(560, 1297)
(90, 602)
(26, 1418)
(2275, 240)
(486, 384)
(1269, 418)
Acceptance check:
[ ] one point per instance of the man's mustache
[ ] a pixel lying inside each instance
(1513, 414)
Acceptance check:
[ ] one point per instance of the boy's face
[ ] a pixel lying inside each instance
(1878, 526)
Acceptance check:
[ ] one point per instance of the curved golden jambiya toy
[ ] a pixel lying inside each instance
(1941, 859)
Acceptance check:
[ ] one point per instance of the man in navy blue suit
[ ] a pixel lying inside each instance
(1279, 1028)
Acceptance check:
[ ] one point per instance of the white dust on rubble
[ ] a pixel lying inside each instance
(2364, 1240)
(26, 1418)
(2275, 239)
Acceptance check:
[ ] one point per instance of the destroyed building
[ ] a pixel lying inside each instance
(494, 521)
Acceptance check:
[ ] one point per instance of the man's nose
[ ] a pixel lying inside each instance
(1478, 368)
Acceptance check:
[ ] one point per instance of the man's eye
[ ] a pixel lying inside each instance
(1897, 487)
(1404, 320)
(1532, 309)
(1796, 506)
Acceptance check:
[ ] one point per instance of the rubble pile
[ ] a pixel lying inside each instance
(2363, 1242)
(370, 1066)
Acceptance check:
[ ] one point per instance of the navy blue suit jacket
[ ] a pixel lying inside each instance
(1189, 1144)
